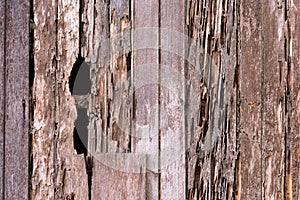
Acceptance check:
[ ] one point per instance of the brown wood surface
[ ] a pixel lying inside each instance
(43, 182)
(213, 114)
(274, 95)
(293, 155)
(250, 97)
(238, 140)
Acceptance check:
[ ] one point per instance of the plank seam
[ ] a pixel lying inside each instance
(262, 94)
(159, 99)
(4, 96)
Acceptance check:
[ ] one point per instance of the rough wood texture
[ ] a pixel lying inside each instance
(56, 35)
(293, 165)
(274, 92)
(216, 110)
(250, 77)
(213, 149)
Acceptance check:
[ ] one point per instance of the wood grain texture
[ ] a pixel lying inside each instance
(2, 92)
(274, 103)
(125, 173)
(293, 154)
(17, 101)
(250, 81)
(56, 42)
(44, 99)
(222, 122)
(213, 148)
(43, 182)
(67, 163)
(171, 80)
(145, 74)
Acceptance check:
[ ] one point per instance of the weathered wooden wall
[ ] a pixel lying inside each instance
(217, 119)
(190, 99)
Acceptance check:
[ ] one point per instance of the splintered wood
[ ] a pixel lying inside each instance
(189, 99)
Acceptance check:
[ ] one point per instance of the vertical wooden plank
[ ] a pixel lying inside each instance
(56, 167)
(45, 15)
(2, 91)
(145, 136)
(293, 154)
(171, 80)
(250, 81)
(274, 87)
(17, 100)
(67, 163)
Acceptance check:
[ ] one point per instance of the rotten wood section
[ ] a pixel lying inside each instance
(212, 132)
(56, 46)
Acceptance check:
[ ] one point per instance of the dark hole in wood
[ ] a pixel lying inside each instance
(80, 84)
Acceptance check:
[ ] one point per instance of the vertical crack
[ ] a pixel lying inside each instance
(89, 170)
(288, 109)
(262, 94)
(159, 99)
(55, 90)
(31, 101)
(238, 100)
(80, 59)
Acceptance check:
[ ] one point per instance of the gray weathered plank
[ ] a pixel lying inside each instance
(17, 100)
(2, 91)
(145, 52)
(171, 77)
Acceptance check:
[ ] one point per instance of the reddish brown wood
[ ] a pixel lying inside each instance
(250, 81)
(274, 95)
